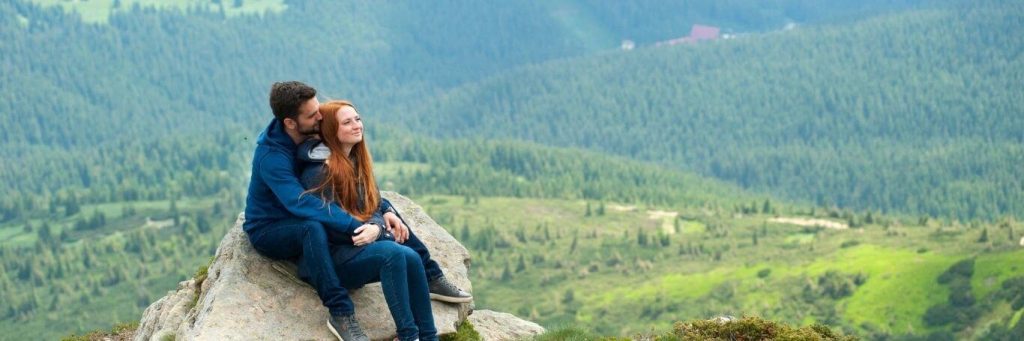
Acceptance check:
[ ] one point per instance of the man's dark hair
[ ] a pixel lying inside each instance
(286, 97)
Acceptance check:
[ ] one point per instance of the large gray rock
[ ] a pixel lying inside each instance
(496, 326)
(247, 296)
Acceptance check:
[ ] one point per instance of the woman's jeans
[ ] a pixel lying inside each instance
(403, 280)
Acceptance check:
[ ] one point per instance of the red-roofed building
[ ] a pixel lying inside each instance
(701, 32)
(697, 33)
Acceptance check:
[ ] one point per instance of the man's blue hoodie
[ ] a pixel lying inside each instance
(275, 193)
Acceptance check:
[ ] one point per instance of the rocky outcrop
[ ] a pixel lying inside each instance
(248, 296)
(497, 326)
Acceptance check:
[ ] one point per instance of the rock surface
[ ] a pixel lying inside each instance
(497, 326)
(248, 296)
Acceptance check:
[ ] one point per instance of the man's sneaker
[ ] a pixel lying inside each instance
(443, 290)
(346, 328)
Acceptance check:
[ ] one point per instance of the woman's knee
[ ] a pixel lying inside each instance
(387, 249)
(411, 257)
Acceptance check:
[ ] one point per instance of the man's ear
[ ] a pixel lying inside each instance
(290, 124)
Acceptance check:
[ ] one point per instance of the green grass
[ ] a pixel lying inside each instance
(799, 239)
(668, 285)
(607, 276)
(990, 270)
(693, 227)
(901, 285)
(465, 332)
(97, 11)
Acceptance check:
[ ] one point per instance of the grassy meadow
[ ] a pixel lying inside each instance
(97, 11)
(623, 265)
(581, 263)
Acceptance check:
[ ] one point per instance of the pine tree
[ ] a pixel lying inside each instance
(465, 234)
(71, 207)
(984, 236)
(173, 209)
(506, 275)
(202, 223)
(45, 234)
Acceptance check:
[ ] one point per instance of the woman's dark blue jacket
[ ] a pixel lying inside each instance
(312, 155)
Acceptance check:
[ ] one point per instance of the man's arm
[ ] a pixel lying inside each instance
(385, 205)
(276, 171)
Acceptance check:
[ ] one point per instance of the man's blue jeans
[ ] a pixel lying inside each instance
(305, 243)
(403, 280)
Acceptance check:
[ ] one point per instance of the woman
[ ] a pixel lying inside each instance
(383, 249)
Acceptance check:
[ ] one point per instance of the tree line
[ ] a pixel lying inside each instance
(913, 112)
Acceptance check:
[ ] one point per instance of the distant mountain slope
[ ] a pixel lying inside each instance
(147, 75)
(146, 70)
(516, 169)
(918, 112)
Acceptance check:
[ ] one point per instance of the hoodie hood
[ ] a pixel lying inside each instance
(275, 137)
(313, 150)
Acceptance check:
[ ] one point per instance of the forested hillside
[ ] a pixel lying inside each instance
(917, 112)
(148, 74)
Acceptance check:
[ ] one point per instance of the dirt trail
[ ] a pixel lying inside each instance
(810, 222)
(666, 218)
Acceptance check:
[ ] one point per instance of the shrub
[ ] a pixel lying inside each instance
(963, 268)
(465, 332)
(752, 328)
(939, 315)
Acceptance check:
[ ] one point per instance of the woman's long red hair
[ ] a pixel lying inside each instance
(339, 176)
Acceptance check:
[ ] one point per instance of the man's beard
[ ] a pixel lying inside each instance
(314, 130)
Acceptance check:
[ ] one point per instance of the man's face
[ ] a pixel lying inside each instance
(308, 120)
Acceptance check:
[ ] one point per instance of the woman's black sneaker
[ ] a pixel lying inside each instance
(443, 290)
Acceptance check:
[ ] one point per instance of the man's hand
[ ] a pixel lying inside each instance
(396, 227)
(366, 234)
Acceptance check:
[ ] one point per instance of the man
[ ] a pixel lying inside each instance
(283, 224)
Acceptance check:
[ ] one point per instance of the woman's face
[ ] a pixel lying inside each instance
(350, 126)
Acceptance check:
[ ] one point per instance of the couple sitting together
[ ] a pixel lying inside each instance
(313, 200)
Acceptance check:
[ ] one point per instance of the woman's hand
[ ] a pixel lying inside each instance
(366, 234)
(396, 227)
